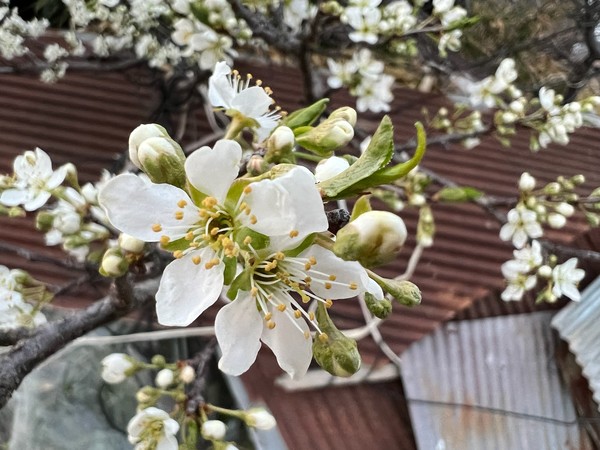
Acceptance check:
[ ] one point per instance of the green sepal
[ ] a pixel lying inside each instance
(230, 269)
(362, 205)
(307, 242)
(377, 155)
(259, 240)
(379, 308)
(242, 282)
(305, 116)
(458, 194)
(195, 194)
(301, 130)
(180, 244)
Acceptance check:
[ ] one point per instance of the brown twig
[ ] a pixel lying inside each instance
(195, 396)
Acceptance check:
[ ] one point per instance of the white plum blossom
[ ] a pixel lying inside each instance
(206, 231)
(365, 21)
(213, 430)
(34, 180)
(260, 418)
(522, 224)
(227, 90)
(115, 367)
(566, 277)
(14, 311)
(153, 428)
(374, 96)
(330, 167)
(164, 378)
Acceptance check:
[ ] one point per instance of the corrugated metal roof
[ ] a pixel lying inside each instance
(577, 324)
(490, 384)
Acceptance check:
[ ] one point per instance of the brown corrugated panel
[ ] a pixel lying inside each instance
(86, 120)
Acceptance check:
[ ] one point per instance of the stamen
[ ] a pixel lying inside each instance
(209, 202)
(268, 316)
(353, 286)
(280, 256)
(247, 240)
(164, 240)
(307, 334)
(328, 303)
(294, 233)
(212, 263)
(253, 219)
(189, 236)
(178, 215)
(247, 189)
(196, 259)
(332, 277)
(311, 316)
(214, 231)
(327, 285)
(323, 337)
(281, 307)
(297, 314)
(254, 291)
(270, 324)
(312, 260)
(177, 254)
(181, 203)
(156, 228)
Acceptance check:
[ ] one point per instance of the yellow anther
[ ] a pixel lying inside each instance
(327, 285)
(156, 228)
(203, 213)
(253, 219)
(353, 286)
(164, 240)
(323, 337)
(177, 254)
(254, 291)
(307, 334)
(297, 314)
(212, 263)
(281, 307)
(196, 260)
(206, 237)
(268, 316)
(328, 303)
(270, 324)
(305, 298)
(294, 233)
(307, 266)
(249, 76)
(235, 72)
(194, 244)
(311, 316)
(243, 206)
(312, 260)
(178, 215)
(189, 236)
(247, 190)
(209, 202)
(181, 203)
(270, 266)
(268, 90)
(308, 280)
(214, 231)
(258, 82)
(279, 256)
(247, 210)
(332, 277)
(247, 240)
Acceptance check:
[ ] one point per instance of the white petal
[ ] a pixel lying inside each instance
(167, 442)
(220, 91)
(330, 167)
(56, 178)
(153, 204)
(238, 327)
(519, 238)
(569, 290)
(171, 426)
(346, 273)
(14, 197)
(252, 102)
(212, 170)
(187, 290)
(43, 162)
(290, 346)
(37, 202)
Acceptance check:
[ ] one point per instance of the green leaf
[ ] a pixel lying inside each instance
(362, 205)
(230, 268)
(241, 282)
(377, 155)
(458, 194)
(305, 116)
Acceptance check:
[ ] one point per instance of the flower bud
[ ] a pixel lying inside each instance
(116, 367)
(346, 113)
(405, 292)
(162, 159)
(526, 182)
(158, 360)
(113, 263)
(556, 220)
(131, 244)
(327, 136)
(379, 308)
(425, 227)
(213, 430)
(333, 350)
(44, 221)
(164, 378)
(280, 145)
(552, 188)
(545, 271)
(566, 209)
(139, 135)
(257, 166)
(187, 374)
(259, 418)
(372, 239)
(578, 179)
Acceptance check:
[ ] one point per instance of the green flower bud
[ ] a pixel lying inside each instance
(405, 292)
(379, 308)
(139, 135)
(158, 360)
(280, 145)
(346, 113)
(373, 238)
(578, 179)
(552, 188)
(333, 351)
(113, 263)
(327, 136)
(257, 166)
(162, 159)
(425, 227)
(44, 221)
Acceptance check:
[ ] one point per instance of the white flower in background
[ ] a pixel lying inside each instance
(296, 11)
(566, 277)
(188, 374)
(115, 367)
(193, 282)
(365, 22)
(547, 99)
(227, 90)
(442, 6)
(197, 38)
(518, 280)
(260, 418)
(399, 16)
(213, 430)
(54, 52)
(374, 96)
(270, 313)
(526, 182)
(530, 256)
(34, 180)
(153, 428)
(522, 224)
(342, 73)
(330, 167)
(19, 314)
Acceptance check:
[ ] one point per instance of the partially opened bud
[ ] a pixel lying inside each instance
(280, 144)
(162, 159)
(405, 292)
(259, 418)
(131, 244)
(327, 136)
(379, 308)
(213, 430)
(139, 135)
(333, 350)
(346, 113)
(164, 378)
(187, 374)
(373, 238)
(113, 263)
(566, 209)
(556, 220)
(526, 182)
(116, 367)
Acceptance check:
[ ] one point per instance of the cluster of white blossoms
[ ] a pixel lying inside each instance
(548, 205)
(14, 31)
(20, 300)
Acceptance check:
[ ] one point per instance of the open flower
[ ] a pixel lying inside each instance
(153, 428)
(243, 102)
(566, 276)
(269, 311)
(205, 233)
(34, 180)
(522, 224)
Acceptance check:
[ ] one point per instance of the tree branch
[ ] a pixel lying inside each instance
(565, 251)
(48, 339)
(195, 396)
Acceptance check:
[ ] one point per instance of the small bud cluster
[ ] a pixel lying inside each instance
(21, 299)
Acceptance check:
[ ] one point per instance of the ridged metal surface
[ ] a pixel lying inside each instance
(490, 384)
(577, 324)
